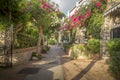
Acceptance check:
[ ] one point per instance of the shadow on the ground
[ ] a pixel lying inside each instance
(33, 68)
(43, 75)
(29, 71)
(84, 71)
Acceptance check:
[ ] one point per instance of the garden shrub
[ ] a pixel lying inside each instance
(93, 46)
(77, 50)
(35, 54)
(52, 41)
(113, 48)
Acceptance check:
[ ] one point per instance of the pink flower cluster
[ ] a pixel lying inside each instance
(88, 14)
(47, 6)
(79, 19)
(98, 4)
(75, 21)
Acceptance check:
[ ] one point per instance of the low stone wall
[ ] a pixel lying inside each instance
(21, 56)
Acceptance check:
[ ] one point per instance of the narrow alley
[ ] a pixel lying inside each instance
(49, 68)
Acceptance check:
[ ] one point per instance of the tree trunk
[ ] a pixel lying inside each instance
(18, 28)
(40, 32)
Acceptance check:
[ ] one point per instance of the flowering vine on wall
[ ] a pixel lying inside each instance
(80, 16)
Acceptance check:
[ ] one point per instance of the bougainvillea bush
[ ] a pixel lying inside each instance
(89, 16)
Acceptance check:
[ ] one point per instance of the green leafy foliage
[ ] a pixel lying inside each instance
(15, 12)
(34, 54)
(94, 24)
(27, 16)
(52, 41)
(113, 47)
(4, 22)
(78, 50)
(93, 46)
(27, 38)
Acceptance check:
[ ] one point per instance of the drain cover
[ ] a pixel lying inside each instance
(29, 71)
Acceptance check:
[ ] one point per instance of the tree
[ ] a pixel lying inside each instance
(11, 10)
(41, 12)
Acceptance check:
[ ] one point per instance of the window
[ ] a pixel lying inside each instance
(115, 33)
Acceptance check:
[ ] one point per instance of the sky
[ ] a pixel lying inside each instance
(65, 5)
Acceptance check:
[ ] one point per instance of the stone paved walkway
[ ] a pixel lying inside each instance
(49, 68)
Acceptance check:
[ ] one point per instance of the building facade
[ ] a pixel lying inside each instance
(111, 26)
(76, 7)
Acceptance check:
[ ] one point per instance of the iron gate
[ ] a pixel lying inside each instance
(6, 47)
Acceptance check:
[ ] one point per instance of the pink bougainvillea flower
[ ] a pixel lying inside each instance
(73, 20)
(76, 21)
(80, 17)
(46, 4)
(45, 7)
(88, 14)
(98, 4)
